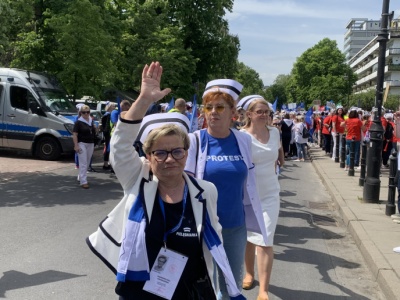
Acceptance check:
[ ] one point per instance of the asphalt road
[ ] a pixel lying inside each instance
(45, 217)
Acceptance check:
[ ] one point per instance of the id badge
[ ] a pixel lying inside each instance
(165, 273)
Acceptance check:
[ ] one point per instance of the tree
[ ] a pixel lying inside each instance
(149, 36)
(321, 73)
(85, 48)
(16, 17)
(205, 31)
(249, 78)
(94, 45)
(279, 90)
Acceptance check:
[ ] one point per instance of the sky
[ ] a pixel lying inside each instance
(273, 33)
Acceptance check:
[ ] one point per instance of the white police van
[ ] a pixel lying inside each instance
(35, 114)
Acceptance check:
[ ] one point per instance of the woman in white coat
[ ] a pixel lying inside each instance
(164, 215)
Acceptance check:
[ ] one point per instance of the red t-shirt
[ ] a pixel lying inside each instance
(353, 126)
(338, 120)
(327, 121)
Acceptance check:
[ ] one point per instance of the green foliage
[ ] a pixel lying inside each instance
(98, 45)
(249, 78)
(279, 89)
(321, 73)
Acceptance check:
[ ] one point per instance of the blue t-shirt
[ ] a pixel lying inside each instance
(226, 168)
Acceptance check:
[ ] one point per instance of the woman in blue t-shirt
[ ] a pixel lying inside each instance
(223, 156)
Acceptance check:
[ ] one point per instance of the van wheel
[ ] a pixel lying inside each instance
(47, 148)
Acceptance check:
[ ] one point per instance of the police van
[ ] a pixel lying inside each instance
(35, 114)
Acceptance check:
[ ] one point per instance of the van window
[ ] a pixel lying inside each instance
(20, 97)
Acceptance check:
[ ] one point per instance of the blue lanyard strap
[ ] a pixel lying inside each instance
(172, 230)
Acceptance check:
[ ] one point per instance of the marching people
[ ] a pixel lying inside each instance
(354, 126)
(84, 134)
(337, 119)
(286, 126)
(265, 149)
(106, 128)
(300, 140)
(179, 106)
(397, 137)
(222, 155)
(78, 108)
(165, 215)
(326, 132)
(292, 147)
(388, 136)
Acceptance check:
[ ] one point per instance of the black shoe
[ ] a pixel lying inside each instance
(106, 167)
(90, 169)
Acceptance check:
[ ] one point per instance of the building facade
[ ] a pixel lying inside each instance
(365, 63)
(360, 32)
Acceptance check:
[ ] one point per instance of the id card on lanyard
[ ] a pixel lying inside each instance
(169, 265)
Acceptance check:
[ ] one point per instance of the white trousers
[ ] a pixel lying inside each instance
(84, 159)
(334, 144)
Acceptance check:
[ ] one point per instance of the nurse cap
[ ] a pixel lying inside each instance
(245, 102)
(153, 121)
(228, 86)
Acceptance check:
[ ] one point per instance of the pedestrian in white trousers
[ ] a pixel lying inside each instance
(84, 135)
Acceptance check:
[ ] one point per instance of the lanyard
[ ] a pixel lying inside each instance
(172, 230)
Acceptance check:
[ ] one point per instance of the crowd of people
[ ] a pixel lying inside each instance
(211, 196)
(204, 202)
(325, 126)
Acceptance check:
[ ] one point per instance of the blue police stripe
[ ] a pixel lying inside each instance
(17, 130)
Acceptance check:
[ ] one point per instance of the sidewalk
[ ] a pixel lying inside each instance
(374, 233)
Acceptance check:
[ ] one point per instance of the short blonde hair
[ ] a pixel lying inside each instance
(85, 107)
(165, 130)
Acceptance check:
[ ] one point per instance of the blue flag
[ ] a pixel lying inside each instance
(275, 104)
(193, 117)
(308, 116)
(170, 105)
(119, 103)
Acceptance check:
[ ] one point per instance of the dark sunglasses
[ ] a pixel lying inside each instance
(85, 112)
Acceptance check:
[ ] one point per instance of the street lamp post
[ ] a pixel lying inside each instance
(347, 78)
(374, 154)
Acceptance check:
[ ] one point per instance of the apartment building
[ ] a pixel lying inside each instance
(360, 32)
(365, 62)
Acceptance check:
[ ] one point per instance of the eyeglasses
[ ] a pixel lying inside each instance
(161, 155)
(85, 112)
(219, 108)
(262, 112)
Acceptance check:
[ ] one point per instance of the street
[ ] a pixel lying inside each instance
(45, 217)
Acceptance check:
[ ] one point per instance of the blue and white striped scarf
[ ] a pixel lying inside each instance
(133, 264)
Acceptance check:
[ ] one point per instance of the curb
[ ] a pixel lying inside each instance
(380, 268)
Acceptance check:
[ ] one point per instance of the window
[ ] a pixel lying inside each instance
(20, 97)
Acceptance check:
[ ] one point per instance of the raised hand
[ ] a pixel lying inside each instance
(149, 92)
(151, 78)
